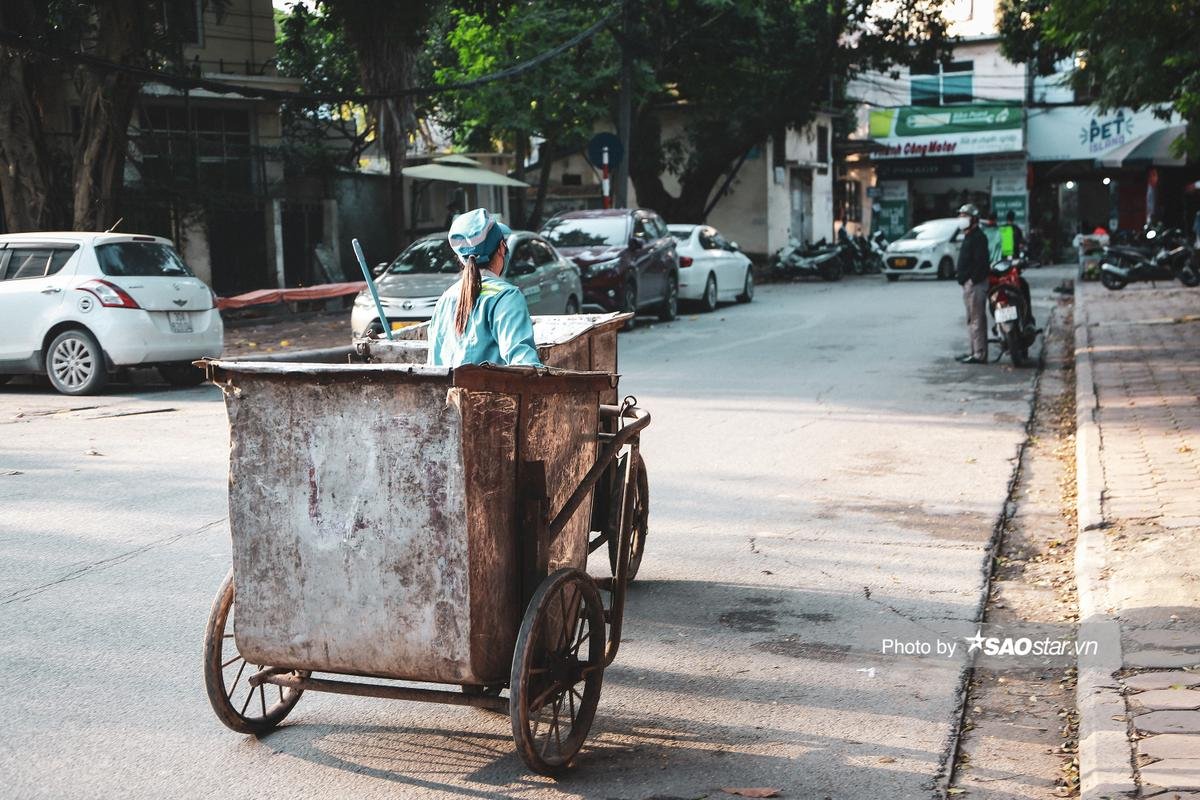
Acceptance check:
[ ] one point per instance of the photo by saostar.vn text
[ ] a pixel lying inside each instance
(1040, 643)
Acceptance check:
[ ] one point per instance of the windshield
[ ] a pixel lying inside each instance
(937, 229)
(681, 232)
(426, 257)
(141, 259)
(588, 232)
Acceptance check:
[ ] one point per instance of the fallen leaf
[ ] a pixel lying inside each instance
(956, 790)
(284, 342)
(753, 791)
(887, 760)
(93, 453)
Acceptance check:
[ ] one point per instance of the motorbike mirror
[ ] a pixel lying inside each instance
(1150, 234)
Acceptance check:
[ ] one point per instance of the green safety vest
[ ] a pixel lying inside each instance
(1008, 241)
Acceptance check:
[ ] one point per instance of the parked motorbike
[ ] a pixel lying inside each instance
(866, 259)
(796, 260)
(1160, 255)
(1009, 304)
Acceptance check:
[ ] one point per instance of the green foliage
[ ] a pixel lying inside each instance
(319, 137)
(1125, 54)
(559, 101)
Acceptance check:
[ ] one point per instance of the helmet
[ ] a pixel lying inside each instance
(968, 210)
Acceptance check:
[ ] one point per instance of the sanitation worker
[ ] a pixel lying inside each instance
(482, 318)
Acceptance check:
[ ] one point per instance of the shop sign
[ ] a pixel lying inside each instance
(906, 168)
(1075, 133)
(891, 210)
(1016, 203)
(936, 131)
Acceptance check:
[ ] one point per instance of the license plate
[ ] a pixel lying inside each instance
(179, 321)
(901, 262)
(398, 325)
(1005, 313)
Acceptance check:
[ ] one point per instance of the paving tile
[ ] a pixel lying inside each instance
(1165, 638)
(1173, 773)
(1171, 745)
(1157, 793)
(1165, 699)
(1146, 681)
(1161, 659)
(1168, 722)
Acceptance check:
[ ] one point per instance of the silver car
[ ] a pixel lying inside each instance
(410, 286)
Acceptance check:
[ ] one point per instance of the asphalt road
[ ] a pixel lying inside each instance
(823, 476)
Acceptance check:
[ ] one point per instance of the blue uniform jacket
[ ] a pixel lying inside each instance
(498, 332)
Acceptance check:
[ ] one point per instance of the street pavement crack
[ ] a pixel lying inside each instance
(103, 564)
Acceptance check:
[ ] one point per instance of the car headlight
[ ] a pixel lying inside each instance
(604, 267)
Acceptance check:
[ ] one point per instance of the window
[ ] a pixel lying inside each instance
(146, 259)
(542, 254)
(186, 17)
(587, 232)
(641, 229)
(572, 179)
(944, 85)
(425, 257)
(823, 144)
(36, 262)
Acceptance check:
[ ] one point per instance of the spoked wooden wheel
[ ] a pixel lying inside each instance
(557, 669)
(641, 518)
(242, 707)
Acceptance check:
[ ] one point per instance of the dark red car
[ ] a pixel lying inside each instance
(626, 258)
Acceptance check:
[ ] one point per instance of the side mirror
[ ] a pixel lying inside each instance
(734, 248)
(635, 243)
(380, 268)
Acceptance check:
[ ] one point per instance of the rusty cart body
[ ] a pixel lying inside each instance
(423, 524)
(586, 342)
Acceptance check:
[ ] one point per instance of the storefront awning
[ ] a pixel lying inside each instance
(460, 173)
(1151, 150)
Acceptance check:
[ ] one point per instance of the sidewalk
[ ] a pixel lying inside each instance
(1138, 554)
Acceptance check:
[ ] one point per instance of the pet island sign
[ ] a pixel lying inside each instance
(923, 131)
(1076, 133)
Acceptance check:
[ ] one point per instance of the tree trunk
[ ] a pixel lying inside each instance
(521, 145)
(387, 38)
(545, 162)
(24, 160)
(696, 184)
(107, 102)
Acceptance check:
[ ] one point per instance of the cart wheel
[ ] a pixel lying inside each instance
(237, 704)
(641, 518)
(557, 668)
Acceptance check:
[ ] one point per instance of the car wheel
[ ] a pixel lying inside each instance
(709, 301)
(629, 305)
(181, 374)
(892, 278)
(572, 306)
(669, 309)
(945, 269)
(747, 288)
(75, 364)
(1111, 280)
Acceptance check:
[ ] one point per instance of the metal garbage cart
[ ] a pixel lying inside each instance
(567, 341)
(421, 524)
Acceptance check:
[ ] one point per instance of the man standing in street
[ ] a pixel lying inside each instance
(972, 274)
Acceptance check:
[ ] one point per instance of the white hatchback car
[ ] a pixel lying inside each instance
(711, 268)
(931, 248)
(78, 306)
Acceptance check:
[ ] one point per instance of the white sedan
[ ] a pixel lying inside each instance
(931, 248)
(711, 268)
(78, 306)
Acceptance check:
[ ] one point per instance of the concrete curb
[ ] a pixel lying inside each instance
(1105, 755)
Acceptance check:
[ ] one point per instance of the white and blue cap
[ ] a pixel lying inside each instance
(477, 233)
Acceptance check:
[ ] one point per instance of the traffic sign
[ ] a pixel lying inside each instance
(595, 149)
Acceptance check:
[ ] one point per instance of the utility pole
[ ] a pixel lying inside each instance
(625, 104)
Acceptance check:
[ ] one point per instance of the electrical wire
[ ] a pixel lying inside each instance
(26, 44)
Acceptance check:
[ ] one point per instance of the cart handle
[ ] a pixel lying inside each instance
(619, 439)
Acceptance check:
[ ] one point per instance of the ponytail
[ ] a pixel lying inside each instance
(468, 293)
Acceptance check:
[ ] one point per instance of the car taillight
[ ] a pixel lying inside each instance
(109, 295)
(685, 261)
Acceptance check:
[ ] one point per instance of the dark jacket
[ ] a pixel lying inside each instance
(973, 258)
